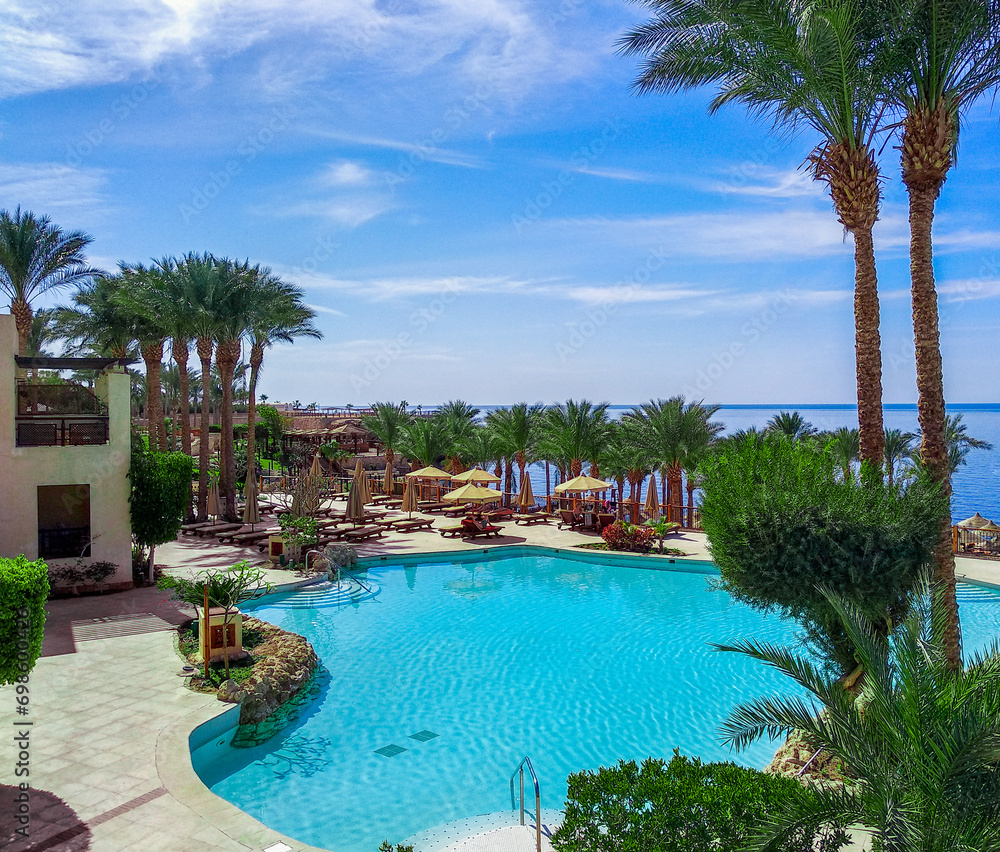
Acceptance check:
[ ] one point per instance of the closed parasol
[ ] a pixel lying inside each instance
(251, 509)
(317, 468)
(361, 481)
(213, 499)
(409, 498)
(525, 499)
(652, 505)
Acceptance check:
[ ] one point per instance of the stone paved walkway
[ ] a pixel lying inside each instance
(109, 760)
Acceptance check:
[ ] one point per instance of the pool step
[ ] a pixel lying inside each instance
(969, 594)
(328, 594)
(499, 831)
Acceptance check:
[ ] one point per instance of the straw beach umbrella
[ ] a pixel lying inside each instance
(251, 509)
(582, 484)
(409, 498)
(652, 505)
(976, 522)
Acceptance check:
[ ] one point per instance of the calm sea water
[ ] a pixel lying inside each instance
(975, 485)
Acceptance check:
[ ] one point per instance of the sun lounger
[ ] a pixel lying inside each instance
(474, 529)
(452, 532)
(500, 514)
(604, 520)
(190, 529)
(456, 511)
(432, 506)
(532, 519)
(363, 533)
(245, 539)
(413, 525)
(568, 519)
(215, 529)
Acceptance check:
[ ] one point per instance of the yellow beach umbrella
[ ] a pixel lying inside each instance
(251, 509)
(362, 482)
(213, 499)
(473, 493)
(525, 499)
(431, 472)
(580, 484)
(652, 505)
(475, 475)
(316, 469)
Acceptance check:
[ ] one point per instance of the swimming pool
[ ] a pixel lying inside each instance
(468, 663)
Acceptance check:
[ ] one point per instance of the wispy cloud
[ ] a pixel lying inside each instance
(630, 175)
(421, 151)
(54, 187)
(753, 179)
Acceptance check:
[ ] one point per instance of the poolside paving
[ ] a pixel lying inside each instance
(110, 767)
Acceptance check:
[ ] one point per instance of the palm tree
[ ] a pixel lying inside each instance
(136, 286)
(619, 457)
(388, 423)
(791, 424)
(822, 65)
(35, 257)
(952, 60)
(426, 439)
(97, 322)
(44, 331)
(517, 428)
(277, 314)
(460, 420)
(921, 743)
(844, 445)
(898, 448)
(670, 429)
(576, 431)
(960, 442)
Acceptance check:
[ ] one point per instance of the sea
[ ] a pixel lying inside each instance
(976, 485)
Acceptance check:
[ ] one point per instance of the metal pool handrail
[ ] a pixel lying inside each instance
(519, 773)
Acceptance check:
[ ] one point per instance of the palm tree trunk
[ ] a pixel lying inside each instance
(509, 473)
(152, 354)
(867, 348)
(228, 355)
(675, 511)
(204, 346)
(179, 350)
(21, 310)
(256, 359)
(690, 492)
(930, 400)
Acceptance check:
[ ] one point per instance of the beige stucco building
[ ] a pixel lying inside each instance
(64, 459)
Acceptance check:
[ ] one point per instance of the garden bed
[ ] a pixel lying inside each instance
(652, 550)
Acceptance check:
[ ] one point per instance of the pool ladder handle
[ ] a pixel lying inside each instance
(519, 773)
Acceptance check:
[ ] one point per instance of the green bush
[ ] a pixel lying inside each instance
(24, 588)
(161, 494)
(681, 806)
(783, 526)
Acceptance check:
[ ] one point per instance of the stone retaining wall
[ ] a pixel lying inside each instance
(287, 662)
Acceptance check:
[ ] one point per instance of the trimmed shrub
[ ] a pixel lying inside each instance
(24, 588)
(681, 806)
(161, 490)
(621, 535)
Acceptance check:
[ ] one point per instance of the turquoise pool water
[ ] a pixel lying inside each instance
(572, 662)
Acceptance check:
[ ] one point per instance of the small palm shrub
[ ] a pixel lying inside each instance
(621, 535)
(682, 805)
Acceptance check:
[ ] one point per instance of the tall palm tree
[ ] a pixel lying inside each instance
(517, 428)
(821, 65)
(618, 458)
(959, 442)
(43, 332)
(97, 322)
(387, 422)
(35, 257)
(791, 424)
(278, 313)
(137, 284)
(460, 420)
(577, 432)
(953, 58)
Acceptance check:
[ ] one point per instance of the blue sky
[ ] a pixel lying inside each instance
(475, 203)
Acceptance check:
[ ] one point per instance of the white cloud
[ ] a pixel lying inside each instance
(630, 175)
(969, 289)
(504, 44)
(753, 179)
(52, 187)
(426, 150)
(350, 213)
(346, 173)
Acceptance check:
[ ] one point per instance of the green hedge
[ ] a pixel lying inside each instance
(24, 588)
(681, 806)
